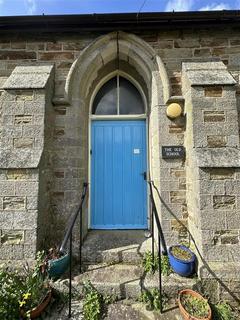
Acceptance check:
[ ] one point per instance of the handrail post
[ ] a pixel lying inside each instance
(80, 242)
(160, 274)
(152, 230)
(73, 219)
(70, 279)
(154, 215)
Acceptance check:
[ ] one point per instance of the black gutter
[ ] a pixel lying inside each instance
(113, 21)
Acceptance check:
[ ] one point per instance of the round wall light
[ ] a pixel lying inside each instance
(174, 110)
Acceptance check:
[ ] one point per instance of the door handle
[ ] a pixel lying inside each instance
(144, 174)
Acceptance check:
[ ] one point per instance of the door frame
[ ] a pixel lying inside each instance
(119, 118)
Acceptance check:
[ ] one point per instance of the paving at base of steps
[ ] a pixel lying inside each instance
(120, 310)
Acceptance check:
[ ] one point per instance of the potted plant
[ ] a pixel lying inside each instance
(35, 294)
(193, 306)
(55, 263)
(25, 295)
(182, 260)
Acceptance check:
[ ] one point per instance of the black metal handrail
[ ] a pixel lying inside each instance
(161, 241)
(68, 236)
(73, 219)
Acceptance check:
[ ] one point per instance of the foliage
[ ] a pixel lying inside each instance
(92, 303)
(40, 260)
(223, 311)
(195, 306)
(23, 291)
(109, 299)
(44, 257)
(152, 299)
(10, 293)
(151, 265)
(35, 288)
(181, 253)
(166, 268)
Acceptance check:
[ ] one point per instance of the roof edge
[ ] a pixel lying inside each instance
(112, 21)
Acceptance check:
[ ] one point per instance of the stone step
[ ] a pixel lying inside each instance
(115, 246)
(120, 280)
(62, 312)
(123, 309)
(171, 284)
(128, 281)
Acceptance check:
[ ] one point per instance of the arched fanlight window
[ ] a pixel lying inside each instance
(118, 96)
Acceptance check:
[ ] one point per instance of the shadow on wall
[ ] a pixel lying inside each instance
(205, 264)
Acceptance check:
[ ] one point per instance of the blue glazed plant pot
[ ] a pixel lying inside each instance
(182, 260)
(57, 267)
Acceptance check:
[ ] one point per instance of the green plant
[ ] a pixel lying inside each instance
(150, 264)
(92, 302)
(180, 253)
(35, 288)
(166, 268)
(109, 299)
(223, 311)
(195, 306)
(39, 267)
(21, 291)
(43, 257)
(11, 290)
(151, 298)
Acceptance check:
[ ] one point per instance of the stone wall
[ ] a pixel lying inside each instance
(67, 156)
(169, 175)
(18, 213)
(212, 145)
(173, 46)
(23, 201)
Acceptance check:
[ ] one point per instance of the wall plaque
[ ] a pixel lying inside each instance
(173, 152)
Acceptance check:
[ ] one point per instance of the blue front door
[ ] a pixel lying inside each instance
(118, 163)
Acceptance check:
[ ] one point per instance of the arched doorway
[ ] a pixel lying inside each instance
(118, 156)
(131, 55)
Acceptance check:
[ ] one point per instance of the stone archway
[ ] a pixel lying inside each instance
(132, 49)
(95, 61)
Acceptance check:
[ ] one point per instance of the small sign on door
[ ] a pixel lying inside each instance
(136, 151)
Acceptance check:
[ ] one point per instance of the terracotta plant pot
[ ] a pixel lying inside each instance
(184, 312)
(38, 310)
